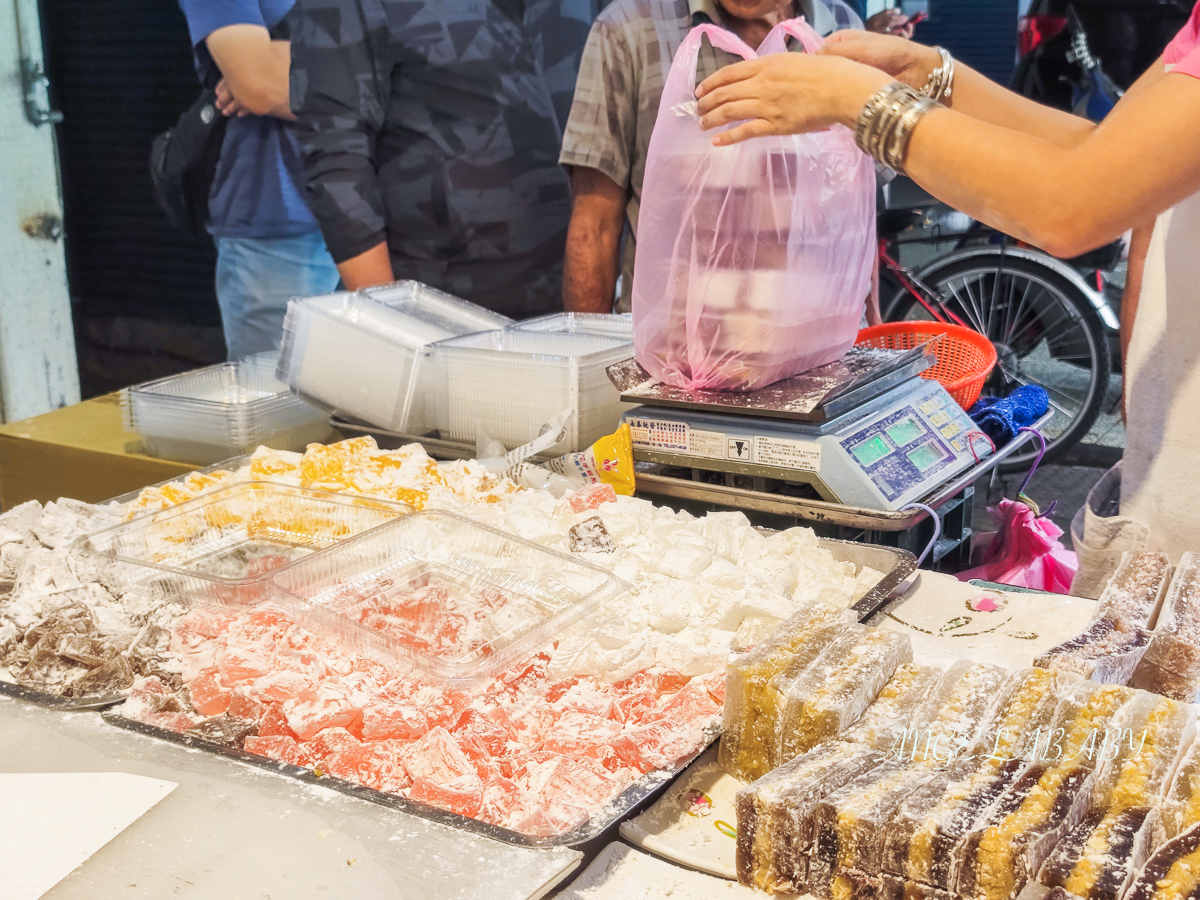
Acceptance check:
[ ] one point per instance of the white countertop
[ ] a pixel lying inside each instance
(237, 832)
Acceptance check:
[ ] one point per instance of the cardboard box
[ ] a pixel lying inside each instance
(80, 451)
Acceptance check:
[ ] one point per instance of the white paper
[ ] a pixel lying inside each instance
(53, 823)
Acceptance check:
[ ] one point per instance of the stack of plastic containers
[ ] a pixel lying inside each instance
(364, 354)
(508, 384)
(614, 326)
(221, 547)
(458, 600)
(211, 414)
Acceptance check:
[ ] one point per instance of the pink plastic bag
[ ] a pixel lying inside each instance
(754, 261)
(1025, 552)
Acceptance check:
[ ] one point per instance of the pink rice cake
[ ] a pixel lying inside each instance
(590, 696)
(210, 694)
(658, 745)
(243, 706)
(328, 741)
(244, 660)
(279, 748)
(582, 735)
(483, 732)
(385, 719)
(441, 774)
(692, 703)
(500, 797)
(558, 793)
(171, 721)
(591, 497)
(277, 686)
(328, 704)
(375, 764)
(273, 722)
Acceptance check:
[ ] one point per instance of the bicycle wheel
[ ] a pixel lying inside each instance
(1044, 329)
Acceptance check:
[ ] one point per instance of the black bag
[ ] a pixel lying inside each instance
(183, 162)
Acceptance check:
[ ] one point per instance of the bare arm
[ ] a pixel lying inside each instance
(593, 241)
(368, 269)
(254, 69)
(1138, 245)
(1141, 160)
(973, 94)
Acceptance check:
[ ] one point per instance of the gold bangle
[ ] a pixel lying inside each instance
(940, 84)
(886, 122)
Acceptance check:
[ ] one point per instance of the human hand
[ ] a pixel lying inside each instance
(904, 60)
(891, 21)
(785, 93)
(228, 104)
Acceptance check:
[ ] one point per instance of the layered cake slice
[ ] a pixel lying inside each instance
(1134, 595)
(1182, 807)
(833, 692)
(1101, 855)
(1172, 872)
(954, 718)
(1021, 714)
(849, 827)
(1171, 666)
(774, 840)
(751, 712)
(903, 706)
(1141, 751)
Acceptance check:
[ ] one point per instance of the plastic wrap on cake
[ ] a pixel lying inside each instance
(1171, 666)
(751, 702)
(508, 384)
(1181, 810)
(364, 353)
(834, 692)
(901, 709)
(221, 546)
(458, 600)
(773, 846)
(1099, 858)
(229, 409)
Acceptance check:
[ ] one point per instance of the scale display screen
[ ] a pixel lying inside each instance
(872, 451)
(905, 431)
(925, 457)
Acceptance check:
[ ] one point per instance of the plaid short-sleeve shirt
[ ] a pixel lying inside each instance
(621, 77)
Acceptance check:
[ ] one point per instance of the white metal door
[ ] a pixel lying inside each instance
(38, 368)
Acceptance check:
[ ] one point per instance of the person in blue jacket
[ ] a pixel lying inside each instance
(269, 245)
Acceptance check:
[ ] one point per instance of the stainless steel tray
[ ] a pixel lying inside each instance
(638, 793)
(53, 701)
(896, 566)
(650, 480)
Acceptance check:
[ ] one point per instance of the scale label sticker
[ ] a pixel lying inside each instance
(659, 435)
(709, 444)
(801, 455)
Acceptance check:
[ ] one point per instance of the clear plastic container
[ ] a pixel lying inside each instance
(508, 384)
(229, 409)
(222, 546)
(364, 354)
(600, 324)
(456, 599)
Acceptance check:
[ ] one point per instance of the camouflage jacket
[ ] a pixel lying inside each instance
(436, 126)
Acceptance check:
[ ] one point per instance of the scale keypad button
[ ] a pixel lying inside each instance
(951, 430)
(958, 446)
(929, 407)
(939, 418)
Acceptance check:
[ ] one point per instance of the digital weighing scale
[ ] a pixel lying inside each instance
(866, 431)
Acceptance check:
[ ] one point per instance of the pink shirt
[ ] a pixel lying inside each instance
(1184, 51)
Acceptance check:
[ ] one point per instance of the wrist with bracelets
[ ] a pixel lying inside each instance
(885, 125)
(940, 85)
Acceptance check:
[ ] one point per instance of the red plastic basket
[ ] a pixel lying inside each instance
(965, 358)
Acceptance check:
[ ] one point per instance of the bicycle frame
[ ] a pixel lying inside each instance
(915, 286)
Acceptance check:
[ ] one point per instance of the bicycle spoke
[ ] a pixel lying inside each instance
(1008, 335)
(967, 310)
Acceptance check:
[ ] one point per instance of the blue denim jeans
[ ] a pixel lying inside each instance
(255, 279)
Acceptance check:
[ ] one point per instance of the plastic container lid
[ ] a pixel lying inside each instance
(508, 384)
(601, 324)
(210, 414)
(456, 599)
(223, 545)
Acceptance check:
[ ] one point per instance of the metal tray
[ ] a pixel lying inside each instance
(391, 440)
(638, 793)
(53, 701)
(650, 480)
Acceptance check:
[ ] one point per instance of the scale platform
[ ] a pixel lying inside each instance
(870, 434)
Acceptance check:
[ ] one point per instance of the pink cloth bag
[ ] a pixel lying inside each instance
(1025, 552)
(754, 261)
